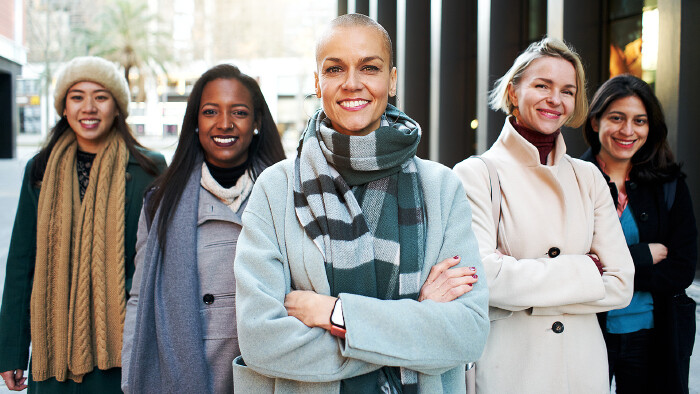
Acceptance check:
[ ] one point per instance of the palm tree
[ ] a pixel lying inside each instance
(125, 32)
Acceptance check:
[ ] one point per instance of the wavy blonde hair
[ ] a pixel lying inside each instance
(547, 47)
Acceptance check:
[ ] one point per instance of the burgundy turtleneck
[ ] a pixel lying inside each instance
(543, 142)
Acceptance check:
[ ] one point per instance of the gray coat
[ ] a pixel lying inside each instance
(217, 234)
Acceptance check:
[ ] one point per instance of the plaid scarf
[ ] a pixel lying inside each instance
(350, 193)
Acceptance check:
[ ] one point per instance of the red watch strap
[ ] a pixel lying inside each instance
(337, 331)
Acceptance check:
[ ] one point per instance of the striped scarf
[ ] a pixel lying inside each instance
(350, 192)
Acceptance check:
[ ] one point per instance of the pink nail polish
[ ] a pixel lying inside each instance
(472, 268)
(456, 257)
(475, 276)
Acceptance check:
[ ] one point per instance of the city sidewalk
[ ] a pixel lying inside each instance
(11, 172)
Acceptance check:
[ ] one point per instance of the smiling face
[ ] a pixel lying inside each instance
(90, 111)
(622, 129)
(226, 122)
(354, 78)
(545, 95)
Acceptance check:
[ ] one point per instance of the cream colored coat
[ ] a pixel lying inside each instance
(564, 204)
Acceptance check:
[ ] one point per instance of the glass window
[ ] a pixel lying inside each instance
(633, 37)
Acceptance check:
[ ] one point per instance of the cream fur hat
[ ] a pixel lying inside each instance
(93, 69)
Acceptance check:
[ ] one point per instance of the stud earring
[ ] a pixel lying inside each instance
(196, 130)
(256, 131)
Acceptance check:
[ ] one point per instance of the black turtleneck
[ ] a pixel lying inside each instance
(227, 177)
(84, 165)
(543, 142)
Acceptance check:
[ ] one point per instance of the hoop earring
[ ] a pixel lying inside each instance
(313, 111)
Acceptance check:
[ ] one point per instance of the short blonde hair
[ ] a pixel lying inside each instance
(551, 47)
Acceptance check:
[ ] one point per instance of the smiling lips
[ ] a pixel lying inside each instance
(624, 143)
(225, 141)
(549, 114)
(354, 104)
(89, 123)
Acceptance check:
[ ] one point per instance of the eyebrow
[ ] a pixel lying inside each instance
(549, 81)
(622, 113)
(232, 105)
(363, 60)
(82, 91)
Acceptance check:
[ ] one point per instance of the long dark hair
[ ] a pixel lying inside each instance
(265, 149)
(42, 158)
(654, 161)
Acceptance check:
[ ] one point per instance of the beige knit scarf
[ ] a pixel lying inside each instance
(78, 297)
(234, 196)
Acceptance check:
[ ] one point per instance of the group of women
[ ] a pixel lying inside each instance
(356, 263)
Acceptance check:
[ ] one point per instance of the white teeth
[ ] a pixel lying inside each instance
(627, 143)
(90, 121)
(226, 140)
(354, 103)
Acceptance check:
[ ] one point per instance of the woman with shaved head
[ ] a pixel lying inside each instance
(356, 267)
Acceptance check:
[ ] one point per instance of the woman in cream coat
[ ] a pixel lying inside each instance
(557, 254)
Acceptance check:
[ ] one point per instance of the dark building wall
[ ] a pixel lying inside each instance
(685, 124)
(505, 44)
(457, 81)
(585, 31)
(9, 125)
(416, 71)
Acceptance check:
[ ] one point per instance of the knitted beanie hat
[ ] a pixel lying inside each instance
(92, 69)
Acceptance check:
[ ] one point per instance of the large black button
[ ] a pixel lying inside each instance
(208, 299)
(553, 252)
(644, 217)
(632, 185)
(558, 327)
(128, 177)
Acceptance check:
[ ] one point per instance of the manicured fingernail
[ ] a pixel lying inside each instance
(456, 257)
(475, 276)
(470, 285)
(472, 268)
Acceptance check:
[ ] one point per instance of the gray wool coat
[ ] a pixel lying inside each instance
(217, 234)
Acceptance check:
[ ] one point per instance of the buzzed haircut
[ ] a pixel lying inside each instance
(352, 20)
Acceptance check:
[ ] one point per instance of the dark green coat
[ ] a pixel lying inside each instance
(15, 334)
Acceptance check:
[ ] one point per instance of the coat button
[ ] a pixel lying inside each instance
(128, 177)
(553, 252)
(632, 185)
(644, 217)
(208, 299)
(558, 327)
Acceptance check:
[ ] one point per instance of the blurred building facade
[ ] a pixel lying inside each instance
(12, 57)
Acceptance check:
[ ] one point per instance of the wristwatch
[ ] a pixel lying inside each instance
(337, 320)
